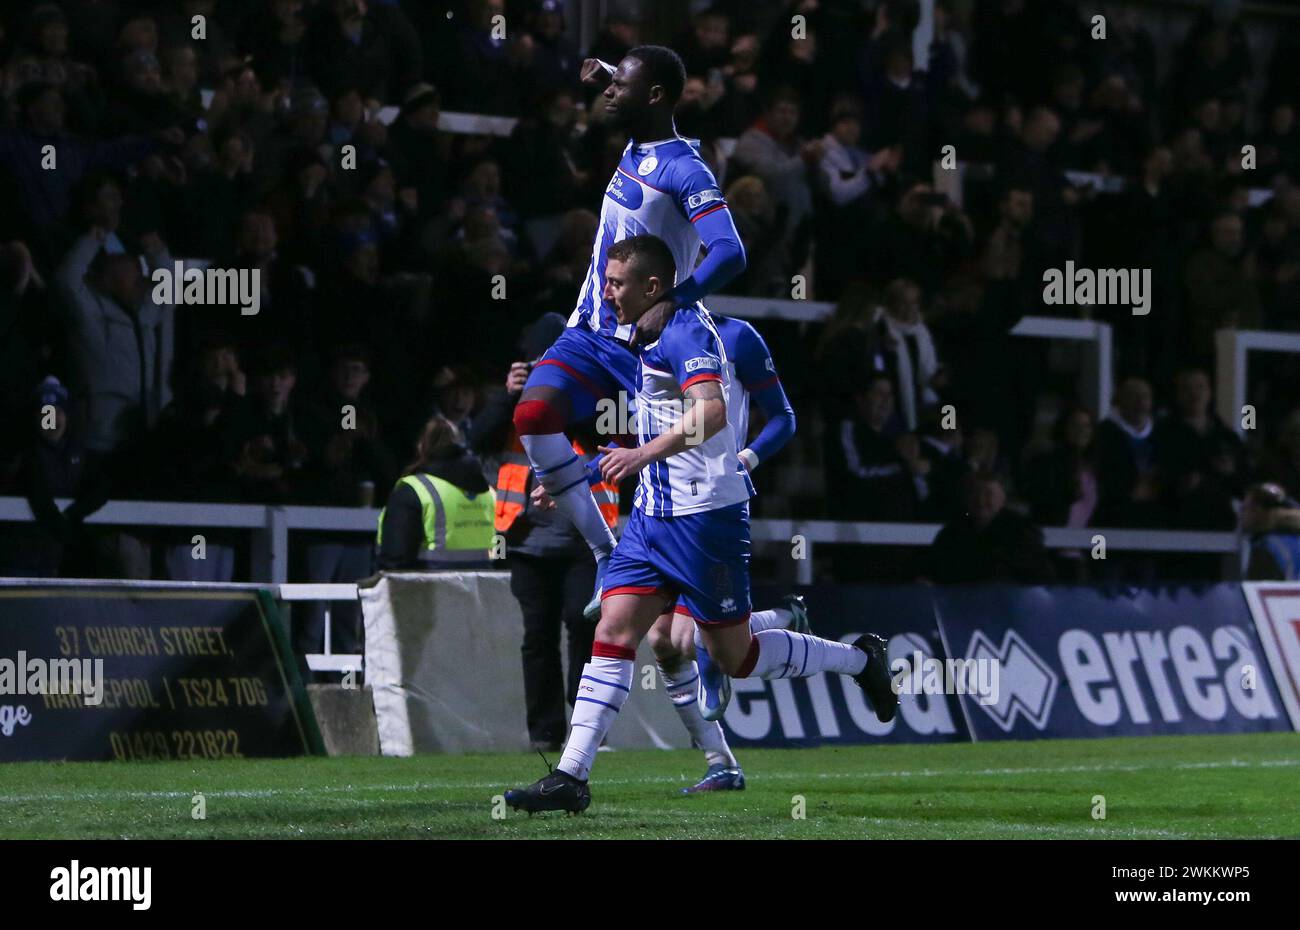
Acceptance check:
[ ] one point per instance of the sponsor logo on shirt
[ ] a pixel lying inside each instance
(698, 200)
(629, 195)
(695, 364)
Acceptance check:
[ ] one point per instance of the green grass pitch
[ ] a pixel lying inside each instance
(1161, 787)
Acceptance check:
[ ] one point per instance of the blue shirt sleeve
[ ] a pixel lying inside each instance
(701, 201)
(690, 352)
(757, 373)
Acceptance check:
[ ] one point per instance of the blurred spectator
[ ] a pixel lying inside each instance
(771, 150)
(547, 61)
(122, 340)
(262, 441)
(989, 543)
(43, 194)
(23, 318)
(418, 151)
(1202, 462)
(908, 352)
(140, 102)
(1127, 466)
(349, 465)
(868, 478)
(364, 44)
(619, 34)
(1281, 461)
(485, 79)
(945, 470)
(283, 317)
(897, 108)
(1222, 292)
(349, 458)
(545, 163)
(52, 465)
(1273, 521)
(706, 44)
(275, 37)
(1061, 484)
(220, 195)
(761, 226)
(925, 234)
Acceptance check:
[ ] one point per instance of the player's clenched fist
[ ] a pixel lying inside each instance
(542, 500)
(619, 463)
(595, 73)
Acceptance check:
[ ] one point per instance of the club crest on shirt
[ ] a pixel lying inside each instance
(648, 165)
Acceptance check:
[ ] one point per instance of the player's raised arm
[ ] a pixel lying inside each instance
(596, 73)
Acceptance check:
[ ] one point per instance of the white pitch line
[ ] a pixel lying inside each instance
(653, 779)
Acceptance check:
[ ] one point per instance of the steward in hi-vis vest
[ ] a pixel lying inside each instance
(441, 513)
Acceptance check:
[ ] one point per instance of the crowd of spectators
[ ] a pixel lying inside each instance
(398, 261)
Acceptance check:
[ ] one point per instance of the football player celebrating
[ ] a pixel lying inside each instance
(661, 187)
(687, 537)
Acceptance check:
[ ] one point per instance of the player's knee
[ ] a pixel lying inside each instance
(538, 418)
(734, 659)
(683, 636)
(661, 644)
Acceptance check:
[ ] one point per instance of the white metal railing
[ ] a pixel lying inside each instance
(272, 525)
(1231, 359)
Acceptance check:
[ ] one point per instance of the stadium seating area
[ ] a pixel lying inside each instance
(330, 146)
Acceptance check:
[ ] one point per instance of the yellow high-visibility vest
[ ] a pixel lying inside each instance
(457, 526)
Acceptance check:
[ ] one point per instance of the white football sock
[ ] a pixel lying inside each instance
(782, 654)
(605, 685)
(778, 618)
(681, 684)
(564, 475)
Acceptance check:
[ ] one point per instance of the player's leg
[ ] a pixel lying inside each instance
(786, 654)
(671, 641)
(791, 615)
(541, 416)
(681, 680)
(564, 388)
(715, 686)
(636, 596)
(715, 588)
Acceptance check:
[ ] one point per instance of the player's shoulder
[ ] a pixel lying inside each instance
(680, 161)
(734, 328)
(690, 328)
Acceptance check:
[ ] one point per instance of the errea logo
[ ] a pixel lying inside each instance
(695, 364)
(1028, 683)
